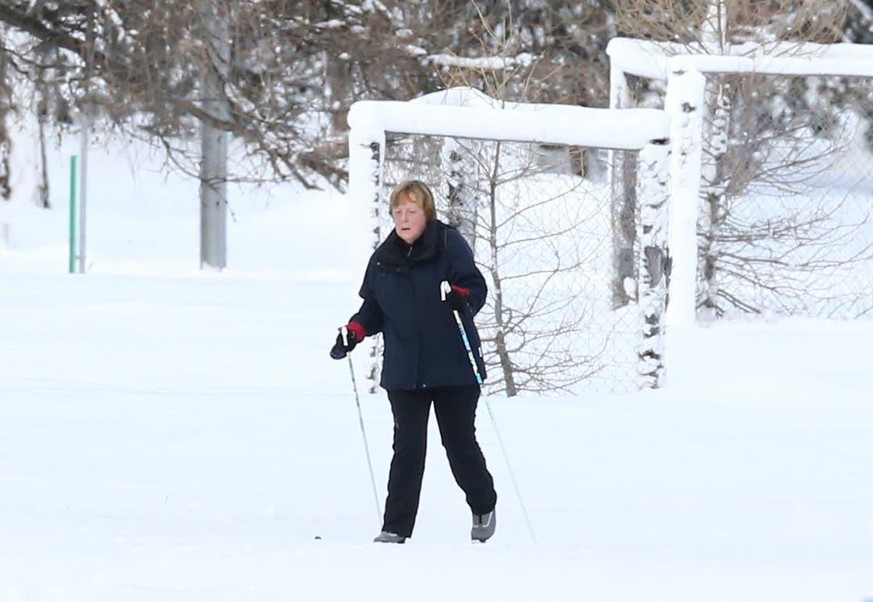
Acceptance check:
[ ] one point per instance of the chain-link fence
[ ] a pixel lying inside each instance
(539, 219)
(785, 206)
(785, 224)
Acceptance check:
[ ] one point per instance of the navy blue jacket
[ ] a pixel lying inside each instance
(423, 347)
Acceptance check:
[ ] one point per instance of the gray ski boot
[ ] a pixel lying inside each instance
(388, 537)
(483, 526)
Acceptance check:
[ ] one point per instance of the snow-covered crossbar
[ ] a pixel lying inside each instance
(546, 124)
(467, 113)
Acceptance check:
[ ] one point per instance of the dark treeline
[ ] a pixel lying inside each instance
(289, 69)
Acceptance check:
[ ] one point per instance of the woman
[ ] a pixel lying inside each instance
(425, 358)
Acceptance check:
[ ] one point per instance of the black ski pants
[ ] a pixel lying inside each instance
(455, 409)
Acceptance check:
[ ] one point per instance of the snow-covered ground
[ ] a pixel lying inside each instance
(171, 435)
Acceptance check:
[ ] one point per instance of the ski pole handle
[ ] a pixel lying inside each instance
(344, 331)
(446, 288)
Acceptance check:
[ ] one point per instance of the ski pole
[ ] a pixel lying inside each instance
(512, 478)
(345, 333)
(446, 288)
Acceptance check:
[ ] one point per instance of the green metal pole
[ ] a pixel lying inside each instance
(74, 161)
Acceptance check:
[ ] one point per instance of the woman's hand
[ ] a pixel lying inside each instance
(350, 335)
(458, 298)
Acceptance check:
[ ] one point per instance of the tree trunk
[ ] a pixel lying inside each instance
(654, 261)
(42, 188)
(713, 181)
(5, 152)
(500, 318)
(5, 142)
(623, 167)
(461, 171)
(713, 198)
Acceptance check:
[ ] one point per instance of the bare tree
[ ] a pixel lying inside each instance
(539, 312)
(764, 136)
(690, 23)
(859, 22)
(777, 237)
(295, 66)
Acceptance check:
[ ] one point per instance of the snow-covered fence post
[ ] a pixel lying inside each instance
(685, 105)
(654, 262)
(366, 158)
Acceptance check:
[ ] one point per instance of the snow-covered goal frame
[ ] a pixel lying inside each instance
(468, 113)
(685, 74)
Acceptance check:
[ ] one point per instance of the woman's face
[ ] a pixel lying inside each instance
(409, 220)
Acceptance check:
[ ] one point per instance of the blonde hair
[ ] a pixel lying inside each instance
(413, 191)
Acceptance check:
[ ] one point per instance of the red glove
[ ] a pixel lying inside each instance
(459, 298)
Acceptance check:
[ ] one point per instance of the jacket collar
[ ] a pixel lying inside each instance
(395, 251)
